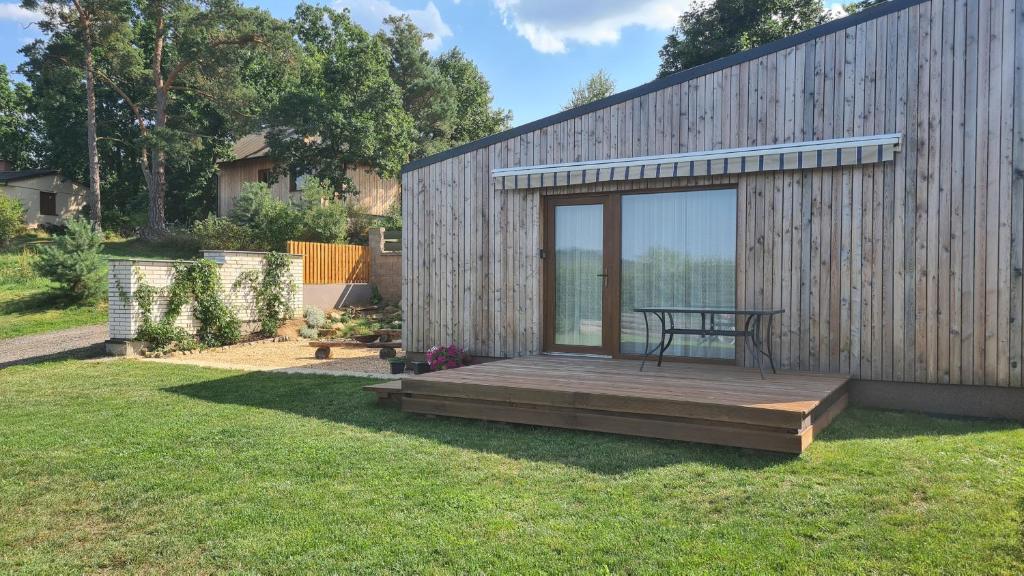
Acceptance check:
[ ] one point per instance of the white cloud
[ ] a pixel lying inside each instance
(550, 25)
(370, 14)
(15, 13)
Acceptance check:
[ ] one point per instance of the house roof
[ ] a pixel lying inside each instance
(872, 13)
(250, 146)
(15, 175)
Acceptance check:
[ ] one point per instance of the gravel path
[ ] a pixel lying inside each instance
(293, 355)
(83, 342)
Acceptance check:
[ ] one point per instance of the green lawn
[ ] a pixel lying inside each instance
(138, 467)
(27, 303)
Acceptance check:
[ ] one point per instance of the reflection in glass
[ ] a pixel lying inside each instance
(679, 250)
(579, 262)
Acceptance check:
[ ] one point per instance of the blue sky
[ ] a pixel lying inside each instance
(532, 51)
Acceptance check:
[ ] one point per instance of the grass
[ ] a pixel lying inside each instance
(137, 467)
(27, 302)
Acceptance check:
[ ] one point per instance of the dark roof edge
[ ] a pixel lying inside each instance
(876, 11)
(16, 175)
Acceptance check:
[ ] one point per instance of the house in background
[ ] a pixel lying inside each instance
(864, 177)
(48, 197)
(252, 163)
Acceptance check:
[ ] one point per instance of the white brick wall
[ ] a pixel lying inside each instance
(124, 316)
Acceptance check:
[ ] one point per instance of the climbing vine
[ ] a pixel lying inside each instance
(196, 283)
(272, 291)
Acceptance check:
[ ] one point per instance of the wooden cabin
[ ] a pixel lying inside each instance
(865, 176)
(251, 163)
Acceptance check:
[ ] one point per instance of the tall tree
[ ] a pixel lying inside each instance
(475, 114)
(712, 30)
(599, 85)
(185, 50)
(90, 22)
(16, 145)
(344, 110)
(448, 98)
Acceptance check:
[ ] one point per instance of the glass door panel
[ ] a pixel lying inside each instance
(579, 275)
(678, 250)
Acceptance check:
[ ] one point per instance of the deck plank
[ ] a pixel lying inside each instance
(718, 404)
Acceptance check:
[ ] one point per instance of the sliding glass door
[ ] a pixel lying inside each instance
(678, 250)
(606, 255)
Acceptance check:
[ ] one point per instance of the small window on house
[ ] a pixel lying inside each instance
(263, 175)
(47, 204)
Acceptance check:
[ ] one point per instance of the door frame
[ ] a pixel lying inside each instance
(611, 246)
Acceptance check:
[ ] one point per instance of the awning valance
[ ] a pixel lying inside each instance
(775, 157)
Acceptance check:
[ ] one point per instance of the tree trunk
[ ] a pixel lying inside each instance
(156, 169)
(95, 207)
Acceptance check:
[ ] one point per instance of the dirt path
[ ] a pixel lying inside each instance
(82, 342)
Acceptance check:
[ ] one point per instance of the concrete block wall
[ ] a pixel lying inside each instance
(125, 277)
(385, 268)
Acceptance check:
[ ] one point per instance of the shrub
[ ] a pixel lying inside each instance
(309, 333)
(215, 233)
(446, 357)
(12, 219)
(73, 261)
(271, 222)
(327, 223)
(315, 317)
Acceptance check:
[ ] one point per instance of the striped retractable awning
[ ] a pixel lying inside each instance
(790, 156)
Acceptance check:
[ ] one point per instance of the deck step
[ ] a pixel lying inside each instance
(389, 392)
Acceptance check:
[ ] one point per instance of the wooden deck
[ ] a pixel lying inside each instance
(679, 401)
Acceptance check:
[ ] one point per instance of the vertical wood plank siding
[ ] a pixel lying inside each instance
(375, 195)
(908, 270)
(332, 263)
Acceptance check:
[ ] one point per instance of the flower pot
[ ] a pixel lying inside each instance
(420, 367)
(397, 367)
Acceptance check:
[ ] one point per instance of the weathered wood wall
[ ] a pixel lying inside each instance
(375, 196)
(908, 270)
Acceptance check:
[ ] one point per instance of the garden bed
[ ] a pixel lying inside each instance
(277, 354)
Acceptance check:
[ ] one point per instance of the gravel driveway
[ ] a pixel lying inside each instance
(83, 342)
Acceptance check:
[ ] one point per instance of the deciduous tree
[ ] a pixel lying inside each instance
(599, 85)
(716, 28)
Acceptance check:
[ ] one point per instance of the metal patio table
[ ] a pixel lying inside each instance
(751, 332)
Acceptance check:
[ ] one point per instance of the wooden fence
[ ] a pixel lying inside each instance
(332, 263)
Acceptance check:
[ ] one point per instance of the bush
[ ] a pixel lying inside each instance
(315, 317)
(12, 219)
(198, 283)
(327, 223)
(270, 221)
(215, 233)
(73, 262)
(309, 333)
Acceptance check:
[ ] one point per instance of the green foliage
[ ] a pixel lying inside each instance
(345, 109)
(271, 291)
(324, 215)
(16, 135)
(599, 85)
(198, 283)
(214, 233)
(314, 317)
(861, 5)
(393, 217)
(73, 261)
(447, 97)
(712, 29)
(271, 222)
(12, 219)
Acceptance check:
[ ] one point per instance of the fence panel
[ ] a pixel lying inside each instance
(332, 263)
